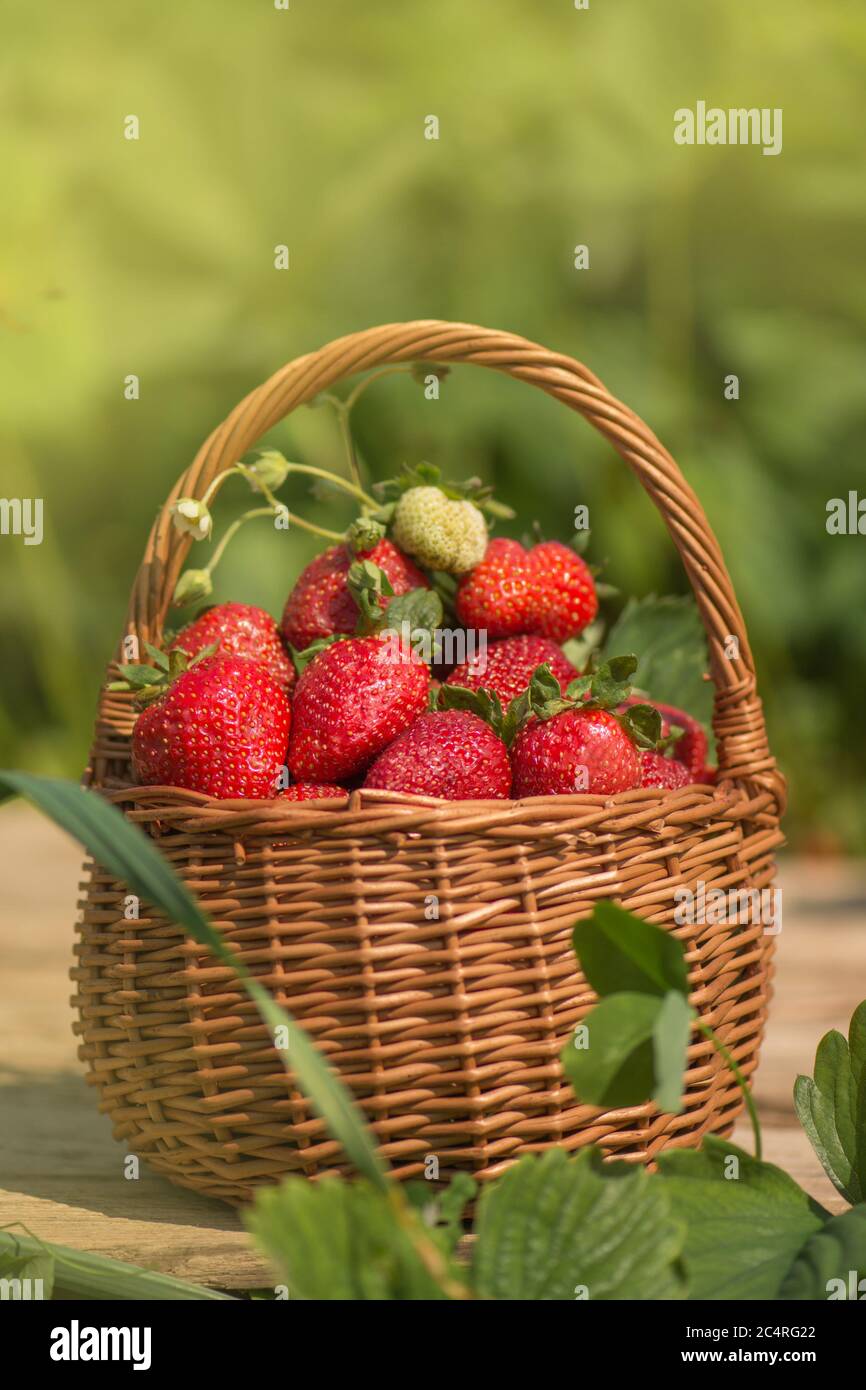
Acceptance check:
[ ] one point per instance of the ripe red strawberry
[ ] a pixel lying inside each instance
(506, 667)
(565, 597)
(320, 604)
(579, 750)
(659, 771)
(239, 629)
(221, 728)
(691, 749)
(497, 594)
(548, 591)
(448, 753)
(352, 700)
(311, 791)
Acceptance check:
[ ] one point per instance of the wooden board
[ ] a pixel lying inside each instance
(62, 1174)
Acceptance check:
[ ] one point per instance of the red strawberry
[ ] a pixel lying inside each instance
(579, 750)
(352, 700)
(566, 601)
(448, 753)
(659, 771)
(506, 667)
(548, 590)
(239, 629)
(221, 728)
(691, 749)
(497, 594)
(320, 604)
(311, 791)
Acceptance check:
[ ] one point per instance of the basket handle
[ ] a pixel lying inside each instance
(738, 720)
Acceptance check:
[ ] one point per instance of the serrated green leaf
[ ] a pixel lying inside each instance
(668, 639)
(558, 1228)
(644, 724)
(619, 951)
(832, 1263)
(832, 1107)
(339, 1241)
(132, 857)
(420, 608)
(743, 1232)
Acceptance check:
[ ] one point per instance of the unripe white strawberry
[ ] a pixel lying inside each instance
(441, 533)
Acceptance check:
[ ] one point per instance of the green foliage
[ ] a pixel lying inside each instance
(335, 1240)
(832, 1107)
(746, 1221)
(560, 1227)
(835, 1253)
(632, 1046)
(668, 639)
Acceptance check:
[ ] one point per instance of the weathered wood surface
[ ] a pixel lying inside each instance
(61, 1173)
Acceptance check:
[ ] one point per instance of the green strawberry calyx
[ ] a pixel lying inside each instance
(605, 688)
(505, 723)
(381, 610)
(148, 683)
(428, 475)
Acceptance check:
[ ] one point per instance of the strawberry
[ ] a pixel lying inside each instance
(311, 791)
(497, 594)
(220, 728)
(576, 743)
(566, 601)
(449, 753)
(441, 532)
(239, 629)
(691, 747)
(321, 603)
(506, 667)
(658, 771)
(350, 702)
(548, 591)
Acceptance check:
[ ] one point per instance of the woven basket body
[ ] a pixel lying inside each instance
(424, 945)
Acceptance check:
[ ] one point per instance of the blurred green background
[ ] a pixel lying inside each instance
(306, 127)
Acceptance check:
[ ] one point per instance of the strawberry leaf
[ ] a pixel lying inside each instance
(832, 1107)
(421, 609)
(643, 724)
(368, 585)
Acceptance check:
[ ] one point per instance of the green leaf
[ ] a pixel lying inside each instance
(667, 637)
(557, 1227)
(369, 586)
(78, 1274)
(442, 1211)
(832, 1263)
(339, 1241)
(643, 723)
(24, 1269)
(421, 609)
(615, 1068)
(484, 703)
(635, 1051)
(132, 857)
(743, 1232)
(832, 1107)
(671, 1034)
(619, 951)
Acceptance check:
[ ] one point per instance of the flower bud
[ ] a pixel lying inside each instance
(270, 468)
(192, 586)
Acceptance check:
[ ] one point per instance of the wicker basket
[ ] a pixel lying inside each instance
(447, 1031)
